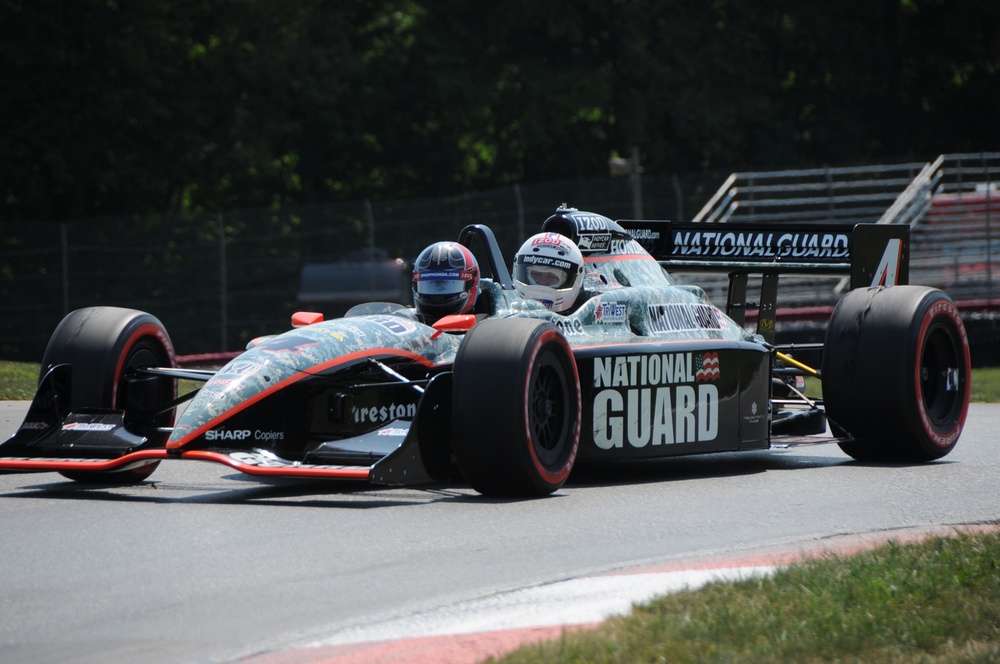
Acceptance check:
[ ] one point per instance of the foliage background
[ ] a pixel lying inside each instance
(118, 107)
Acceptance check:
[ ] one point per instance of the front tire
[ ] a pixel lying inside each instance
(896, 373)
(102, 344)
(516, 408)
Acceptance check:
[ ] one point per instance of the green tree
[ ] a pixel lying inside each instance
(124, 107)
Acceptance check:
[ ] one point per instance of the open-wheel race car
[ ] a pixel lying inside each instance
(514, 394)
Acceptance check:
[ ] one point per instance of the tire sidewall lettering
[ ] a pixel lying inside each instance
(940, 314)
(545, 339)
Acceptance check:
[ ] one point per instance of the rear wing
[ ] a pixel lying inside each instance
(869, 254)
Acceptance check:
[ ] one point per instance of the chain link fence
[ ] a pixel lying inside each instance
(218, 281)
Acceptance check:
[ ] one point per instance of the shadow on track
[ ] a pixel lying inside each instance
(240, 489)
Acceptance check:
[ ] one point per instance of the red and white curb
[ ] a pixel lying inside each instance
(471, 631)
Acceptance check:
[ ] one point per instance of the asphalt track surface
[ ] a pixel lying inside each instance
(202, 564)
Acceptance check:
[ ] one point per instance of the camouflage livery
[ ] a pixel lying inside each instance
(630, 308)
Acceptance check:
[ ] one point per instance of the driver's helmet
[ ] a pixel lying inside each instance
(549, 268)
(445, 281)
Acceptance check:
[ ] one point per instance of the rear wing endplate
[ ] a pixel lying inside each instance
(869, 254)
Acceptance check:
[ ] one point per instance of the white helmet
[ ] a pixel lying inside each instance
(549, 268)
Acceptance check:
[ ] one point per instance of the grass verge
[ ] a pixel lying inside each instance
(937, 601)
(17, 380)
(986, 385)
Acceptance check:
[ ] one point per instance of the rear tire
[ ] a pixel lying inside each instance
(516, 408)
(101, 344)
(896, 373)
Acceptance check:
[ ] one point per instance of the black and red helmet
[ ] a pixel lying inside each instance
(445, 281)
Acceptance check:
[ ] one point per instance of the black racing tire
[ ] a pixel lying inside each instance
(896, 373)
(516, 408)
(101, 344)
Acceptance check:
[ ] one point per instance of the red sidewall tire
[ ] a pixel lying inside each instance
(554, 469)
(101, 344)
(941, 424)
(896, 373)
(516, 408)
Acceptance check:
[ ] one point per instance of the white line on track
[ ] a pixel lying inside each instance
(470, 631)
(572, 602)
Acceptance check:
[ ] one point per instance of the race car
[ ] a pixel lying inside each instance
(514, 395)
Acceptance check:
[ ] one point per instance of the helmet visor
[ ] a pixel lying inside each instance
(542, 275)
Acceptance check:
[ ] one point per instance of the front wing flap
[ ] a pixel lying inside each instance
(97, 441)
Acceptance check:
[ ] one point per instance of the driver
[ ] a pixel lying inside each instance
(445, 281)
(549, 268)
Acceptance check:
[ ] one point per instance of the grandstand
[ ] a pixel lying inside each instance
(949, 204)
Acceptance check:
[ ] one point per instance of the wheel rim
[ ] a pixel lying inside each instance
(548, 411)
(147, 354)
(941, 377)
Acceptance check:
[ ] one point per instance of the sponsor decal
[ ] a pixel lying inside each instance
(761, 244)
(448, 275)
(257, 459)
(549, 239)
(707, 367)
(291, 344)
(666, 318)
(755, 416)
(626, 247)
(227, 434)
(216, 435)
(570, 326)
(591, 222)
(380, 414)
(242, 369)
(393, 431)
(644, 234)
(35, 426)
(610, 312)
(653, 369)
(655, 399)
(264, 460)
(594, 242)
(550, 261)
(87, 426)
(395, 324)
(220, 383)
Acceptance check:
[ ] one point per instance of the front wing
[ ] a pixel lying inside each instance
(97, 441)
